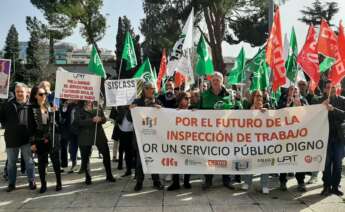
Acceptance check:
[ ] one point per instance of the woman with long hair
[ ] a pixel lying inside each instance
(43, 143)
(257, 103)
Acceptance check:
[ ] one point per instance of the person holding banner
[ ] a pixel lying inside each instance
(147, 100)
(257, 103)
(336, 140)
(183, 102)
(292, 99)
(43, 142)
(18, 122)
(216, 97)
(86, 120)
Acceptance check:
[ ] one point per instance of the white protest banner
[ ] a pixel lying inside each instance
(5, 71)
(231, 141)
(121, 92)
(77, 86)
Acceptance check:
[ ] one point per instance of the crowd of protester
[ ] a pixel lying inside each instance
(38, 127)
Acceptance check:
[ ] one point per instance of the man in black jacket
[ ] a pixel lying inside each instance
(18, 122)
(336, 141)
(147, 100)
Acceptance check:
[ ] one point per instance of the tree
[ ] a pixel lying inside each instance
(58, 27)
(160, 27)
(36, 52)
(246, 21)
(87, 13)
(11, 50)
(123, 26)
(314, 14)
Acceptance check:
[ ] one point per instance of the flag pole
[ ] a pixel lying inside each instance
(120, 69)
(95, 135)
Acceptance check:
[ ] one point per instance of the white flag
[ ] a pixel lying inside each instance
(180, 59)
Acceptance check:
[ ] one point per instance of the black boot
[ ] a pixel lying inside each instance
(58, 182)
(43, 187)
(174, 186)
(336, 191)
(88, 180)
(326, 191)
(186, 183)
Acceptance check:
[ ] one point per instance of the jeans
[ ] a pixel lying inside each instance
(12, 156)
(333, 165)
(248, 179)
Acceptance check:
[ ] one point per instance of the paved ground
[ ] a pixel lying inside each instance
(120, 197)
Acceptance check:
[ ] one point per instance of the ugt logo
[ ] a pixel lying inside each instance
(149, 122)
(169, 162)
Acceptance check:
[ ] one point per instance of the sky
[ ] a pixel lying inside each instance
(15, 11)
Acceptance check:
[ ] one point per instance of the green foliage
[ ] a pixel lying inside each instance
(59, 25)
(314, 14)
(11, 50)
(87, 13)
(123, 26)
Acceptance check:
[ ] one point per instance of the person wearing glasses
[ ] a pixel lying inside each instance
(147, 99)
(257, 103)
(16, 118)
(45, 142)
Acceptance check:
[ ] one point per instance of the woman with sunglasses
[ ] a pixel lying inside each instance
(43, 137)
(257, 103)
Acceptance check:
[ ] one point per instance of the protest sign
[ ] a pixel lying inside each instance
(5, 71)
(232, 141)
(121, 92)
(77, 86)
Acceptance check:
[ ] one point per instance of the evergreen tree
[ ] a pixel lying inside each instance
(11, 50)
(123, 26)
(314, 14)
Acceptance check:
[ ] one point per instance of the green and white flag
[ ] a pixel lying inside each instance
(145, 72)
(204, 66)
(291, 62)
(180, 58)
(128, 53)
(95, 64)
(261, 72)
(236, 74)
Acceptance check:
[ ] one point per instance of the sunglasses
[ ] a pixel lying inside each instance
(42, 94)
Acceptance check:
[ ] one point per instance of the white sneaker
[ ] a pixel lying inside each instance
(265, 190)
(245, 187)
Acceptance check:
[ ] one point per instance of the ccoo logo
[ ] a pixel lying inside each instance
(168, 162)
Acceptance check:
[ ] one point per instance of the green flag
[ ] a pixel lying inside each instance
(95, 64)
(237, 74)
(128, 52)
(291, 62)
(204, 66)
(275, 96)
(260, 70)
(326, 64)
(145, 72)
